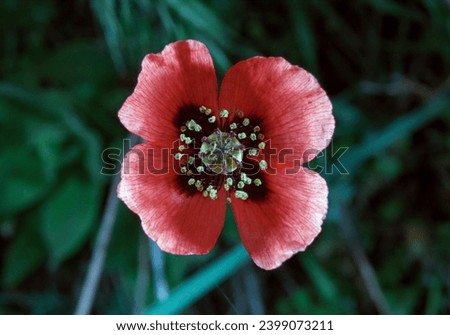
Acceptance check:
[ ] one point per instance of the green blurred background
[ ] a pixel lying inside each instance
(67, 66)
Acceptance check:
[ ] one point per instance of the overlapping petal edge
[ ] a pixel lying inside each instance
(295, 113)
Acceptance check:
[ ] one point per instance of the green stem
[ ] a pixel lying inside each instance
(201, 283)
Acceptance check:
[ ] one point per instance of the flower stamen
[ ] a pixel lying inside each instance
(223, 113)
(220, 159)
(192, 125)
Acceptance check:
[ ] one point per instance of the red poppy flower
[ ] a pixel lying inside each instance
(244, 145)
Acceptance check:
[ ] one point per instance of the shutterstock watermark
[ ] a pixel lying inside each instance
(161, 161)
(331, 160)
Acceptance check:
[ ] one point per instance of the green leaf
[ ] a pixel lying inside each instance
(209, 22)
(376, 143)
(434, 297)
(230, 232)
(319, 277)
(403, 300)
(123, 247)
(298, 301)
(25, 253)
(22, 178)
(78, 62)
(48, 139)
(348, 116)
(68, 217)
(399, 129)
(304, 34)
(395, 9)
(109, 20)
(61, 103)
(202, 282)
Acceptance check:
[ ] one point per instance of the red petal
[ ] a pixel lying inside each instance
(182, 74)
(178, 222)
(294, 110)
(286, 221)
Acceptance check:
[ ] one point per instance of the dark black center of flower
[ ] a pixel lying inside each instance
(216, 152)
